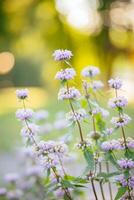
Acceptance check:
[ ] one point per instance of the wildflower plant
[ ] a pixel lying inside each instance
(46, 173)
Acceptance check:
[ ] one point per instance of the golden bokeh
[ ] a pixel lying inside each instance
(7, 62)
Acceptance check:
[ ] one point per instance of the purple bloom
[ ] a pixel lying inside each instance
(71, 93)
(115, 83)
(118, 102)
(121, 121)
(90, 71)
(59, 193)
(65, 74)
(31, 129)
(14, 194)
(41, 115)
(110, 145)
(126, 163)
(77, 115)
(24, 114)
(11, 178)
(60, 124)
(109, 131)
(130, 143)
(125, 182)
(49, 162)
(3, 191)
(98, 110)
(97, 85)
(61, 54)
(22, 94)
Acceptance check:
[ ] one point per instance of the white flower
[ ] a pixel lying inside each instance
(90, 71)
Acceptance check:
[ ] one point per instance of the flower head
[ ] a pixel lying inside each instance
(84, 144)
(109, 131)
(77, 115)
(61, 54)
(41, 115)
(110, 145)
(97, 85)
(130, 143)
(121, 121)
(22, 94)
(65, 74)
(24, 114)
(118, 102)
(31, 129)
(71, 93)
(115, 83)
(49, 162)
(125, 163)
(11, 178)
(14, 194)
(90, 71)
(3, 191)
(124, 182)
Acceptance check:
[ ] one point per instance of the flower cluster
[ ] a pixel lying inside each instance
(111, 145)
(65, 74)
(90, 71)
(125, 163)
(118, 102)
(77, 115)
(24, 114)
(121, 121)
(97, 85)
(115, 83)
(44, 173)
(125, 182)
(60, 55)
(69, 93)
(22, 94)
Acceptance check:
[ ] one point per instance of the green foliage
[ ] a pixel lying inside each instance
(120, 193)
(88, 154)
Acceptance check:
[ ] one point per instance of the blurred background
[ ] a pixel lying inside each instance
(98, 32)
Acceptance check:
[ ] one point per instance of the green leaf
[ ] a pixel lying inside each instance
(67, 184)
(108, 175)
(89, 158)
(120, 193)
(100, 123)
(110, 158)
(129, 154)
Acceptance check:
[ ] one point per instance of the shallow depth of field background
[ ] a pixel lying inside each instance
(98, 32)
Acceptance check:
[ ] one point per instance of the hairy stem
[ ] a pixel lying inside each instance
(109, 184)
(94, 190)
(101, 184)
(78, 123)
